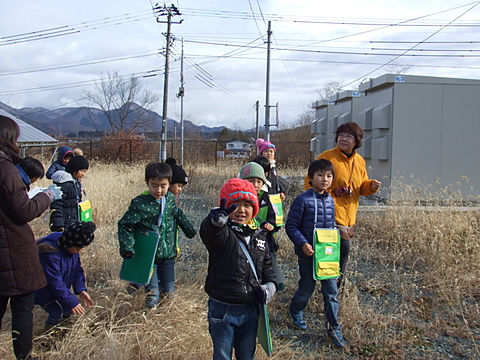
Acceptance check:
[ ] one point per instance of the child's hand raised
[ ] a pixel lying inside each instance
(267, 226)
(219, 215)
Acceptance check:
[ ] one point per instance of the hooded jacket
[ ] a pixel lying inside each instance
(64, 211)
(20, 269)
(58, 164)
(62, 271)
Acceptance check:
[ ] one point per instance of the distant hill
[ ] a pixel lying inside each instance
(73, 121)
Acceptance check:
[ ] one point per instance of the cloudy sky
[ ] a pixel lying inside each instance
(52, 51)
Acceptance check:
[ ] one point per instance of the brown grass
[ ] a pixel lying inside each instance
(412, 290)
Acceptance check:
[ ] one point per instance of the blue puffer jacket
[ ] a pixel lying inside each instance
(62, 270)
(300, 224)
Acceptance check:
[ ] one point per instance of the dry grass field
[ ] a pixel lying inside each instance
(412, 289)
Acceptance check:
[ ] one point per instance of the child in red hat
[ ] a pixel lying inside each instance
(235, 291)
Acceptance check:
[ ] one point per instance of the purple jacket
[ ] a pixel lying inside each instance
(62, 270)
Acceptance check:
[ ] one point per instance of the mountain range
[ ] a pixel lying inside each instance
(78, 121)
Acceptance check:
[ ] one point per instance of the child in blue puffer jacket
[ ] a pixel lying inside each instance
(60, 259)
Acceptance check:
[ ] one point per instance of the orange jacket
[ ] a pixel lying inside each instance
(348, 171)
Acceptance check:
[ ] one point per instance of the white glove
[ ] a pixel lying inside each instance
(269, 289)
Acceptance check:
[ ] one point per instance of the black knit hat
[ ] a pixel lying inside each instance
(179, 176)
(79, 234)
(76, 163)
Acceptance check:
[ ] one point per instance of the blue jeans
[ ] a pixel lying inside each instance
(233, 326)
(56, 313)
(306, 287)
(163, 278)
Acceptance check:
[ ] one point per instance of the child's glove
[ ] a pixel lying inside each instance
(265, 292)
(128, 254)
(54, 192)
(219, 215)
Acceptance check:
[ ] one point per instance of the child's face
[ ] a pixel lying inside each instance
(78, 175)
(32, 180)
(269, 154)
(74, 250)
(257, 183)
(321, 180)
(244, 212)
(176, 188)
(157, 187)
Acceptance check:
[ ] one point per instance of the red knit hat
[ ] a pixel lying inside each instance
(238, 189)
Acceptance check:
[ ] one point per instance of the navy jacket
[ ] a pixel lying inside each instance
(58, 164)
(300, 223)
(62, 270)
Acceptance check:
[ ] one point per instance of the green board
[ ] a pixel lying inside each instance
(326, 257)
(139, 268)
(85, 211)
(264, 335)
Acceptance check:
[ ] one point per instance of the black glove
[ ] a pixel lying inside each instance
(128, 255)
(219, 215)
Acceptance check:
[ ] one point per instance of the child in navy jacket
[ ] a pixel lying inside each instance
(60, 259)
(313, 209)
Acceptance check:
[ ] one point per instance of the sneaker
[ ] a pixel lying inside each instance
(297, 320)
(336, 337)
(151, 302)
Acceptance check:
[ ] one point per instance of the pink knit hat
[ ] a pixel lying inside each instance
(263, 145)
(238, 189)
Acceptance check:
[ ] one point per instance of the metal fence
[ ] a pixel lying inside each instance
(203, 151)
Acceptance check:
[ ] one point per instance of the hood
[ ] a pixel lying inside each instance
(10, 156)
(62, 150)
(24, 176)
(49, 243)
(61, 176)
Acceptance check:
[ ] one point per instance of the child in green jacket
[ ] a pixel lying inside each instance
(155, 210)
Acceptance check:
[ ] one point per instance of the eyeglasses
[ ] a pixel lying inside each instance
(346, 136)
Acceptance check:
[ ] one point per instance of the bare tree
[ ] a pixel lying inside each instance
(330, 88)
(396, 67)
(124, 103)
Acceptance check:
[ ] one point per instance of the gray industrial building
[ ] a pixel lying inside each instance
(419, 131)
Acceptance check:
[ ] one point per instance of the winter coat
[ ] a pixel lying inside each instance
(62, 270)
(277, 185)
(64, 211)
(346, 168)
(58, 164)
(20, 269)
(300, 222)
(230, 278)
(143, 214)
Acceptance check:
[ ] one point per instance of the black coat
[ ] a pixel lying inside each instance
(64, 212)
(230, 278)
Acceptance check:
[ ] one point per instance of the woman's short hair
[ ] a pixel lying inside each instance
(351, 128)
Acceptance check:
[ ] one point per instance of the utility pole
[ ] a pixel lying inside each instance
(169, 11)
(257, 129)
(267, 92)
(181, 93)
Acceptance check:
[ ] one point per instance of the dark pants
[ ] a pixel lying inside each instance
(22, 322)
